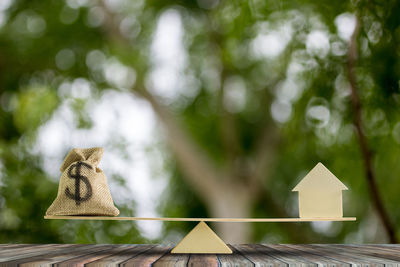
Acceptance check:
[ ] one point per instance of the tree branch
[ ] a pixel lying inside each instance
(264, 156)
(227, 124)
(366, 152)
(266, 144)
(227, 130)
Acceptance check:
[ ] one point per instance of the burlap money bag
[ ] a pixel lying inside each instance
(83, 188)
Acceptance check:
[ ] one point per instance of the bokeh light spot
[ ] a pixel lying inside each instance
(317, 112)
(65, 59)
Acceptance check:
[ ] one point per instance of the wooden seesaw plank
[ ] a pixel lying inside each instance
(198, 219)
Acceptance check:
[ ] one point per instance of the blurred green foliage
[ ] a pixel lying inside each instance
(282, 66)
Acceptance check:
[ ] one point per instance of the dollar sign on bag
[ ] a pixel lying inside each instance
(78, 178)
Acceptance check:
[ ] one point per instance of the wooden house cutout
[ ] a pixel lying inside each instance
(320, 194)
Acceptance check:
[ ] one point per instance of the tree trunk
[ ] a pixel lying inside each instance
(231, 202)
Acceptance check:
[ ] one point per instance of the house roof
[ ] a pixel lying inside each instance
(320, 177)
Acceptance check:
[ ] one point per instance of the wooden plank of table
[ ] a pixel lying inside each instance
(316, 259)
(87, 258)
(31, 252)
(10, 244)
(392, 250)
(243, 255)
(200, 260)
(349, 258)
(148, 257)
(389, 257)
(288, 258)
(119, 258)
(17, 250)
(388, 245)
(10, 248)
(105, 218)
(354, 257)
(333, 261)
(234, 259)
(259, 259)
(370, 254)
(51, 259)
(172, 260)
(14, 246)
(31, 260)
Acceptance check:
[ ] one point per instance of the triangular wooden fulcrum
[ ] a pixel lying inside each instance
(202, 240)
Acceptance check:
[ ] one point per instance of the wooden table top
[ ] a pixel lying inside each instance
(159, 255)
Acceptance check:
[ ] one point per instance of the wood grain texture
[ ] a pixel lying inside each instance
(282, 255)
(309, 257)
(148, 257)
(120, 257)
(17, 250)
(330, 255)
(352, 256)
(234, 259)
(388, 257)
(52, 258)
(4, 247)
(172, 260)
(30, 252)
(87, 258)
(199, 260)
(333, 261)
(259, 259)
